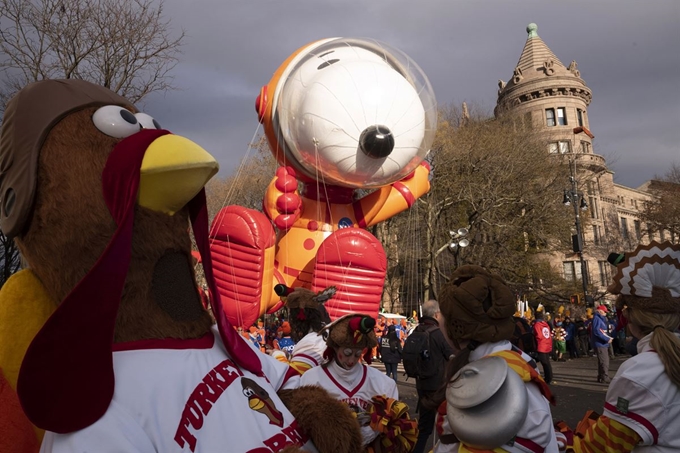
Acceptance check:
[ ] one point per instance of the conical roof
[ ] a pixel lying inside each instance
(536, 61)
(538, 69)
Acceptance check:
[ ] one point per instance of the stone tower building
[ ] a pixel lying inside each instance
(555, 99)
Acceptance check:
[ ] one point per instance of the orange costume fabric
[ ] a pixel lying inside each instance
(599, 434)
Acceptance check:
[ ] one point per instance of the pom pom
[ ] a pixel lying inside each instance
(391, 419)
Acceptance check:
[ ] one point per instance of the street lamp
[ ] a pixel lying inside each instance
(457, 242)
(458, 239)
(577, 200)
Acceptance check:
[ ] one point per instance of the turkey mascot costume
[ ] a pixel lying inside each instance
(104, 342)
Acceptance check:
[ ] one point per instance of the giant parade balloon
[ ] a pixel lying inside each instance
(350, 122)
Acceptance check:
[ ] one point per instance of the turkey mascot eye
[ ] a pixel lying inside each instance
(116, 121)
(147, 121)
(248, 392)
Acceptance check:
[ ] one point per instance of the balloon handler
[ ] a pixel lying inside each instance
(104, 340)
(350, 122)
(642, 406)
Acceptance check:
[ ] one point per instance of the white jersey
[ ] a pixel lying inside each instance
(537, 434)
(310, 349)
(188, 396)
(355, 387)
(642, 397)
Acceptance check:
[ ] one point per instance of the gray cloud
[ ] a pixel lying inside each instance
(627, 52)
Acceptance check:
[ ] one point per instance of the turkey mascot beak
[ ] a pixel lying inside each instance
(174, 170)
(66, 381)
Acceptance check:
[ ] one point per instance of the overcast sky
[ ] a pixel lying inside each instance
(628, 53)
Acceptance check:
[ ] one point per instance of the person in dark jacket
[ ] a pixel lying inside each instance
(582, 340)
(440, 351)
(570, 329)
(390, 352)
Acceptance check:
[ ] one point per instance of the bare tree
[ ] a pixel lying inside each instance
(10, 259)
(124, 45)
(662, 214)
(493, 177)
(247, 184)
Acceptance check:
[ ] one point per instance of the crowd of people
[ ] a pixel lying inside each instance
(472, 333)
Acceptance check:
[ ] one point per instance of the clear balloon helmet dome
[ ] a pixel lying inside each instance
(354, 113)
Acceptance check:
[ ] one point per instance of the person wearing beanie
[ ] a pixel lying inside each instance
(477, 310)
(642, 406)
(364, 389)
(308, 316)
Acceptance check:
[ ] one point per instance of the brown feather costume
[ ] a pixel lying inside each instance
(52, 160)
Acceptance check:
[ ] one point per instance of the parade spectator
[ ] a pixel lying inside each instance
(390, 352)
(272, 332)
(404, 330)
(560, 342)
(544, 345)
(642, 406)
(400, 331)
(601, 340)
(380, 330)
(440, 351)
(621, 338)
(477, 309)
(262, 332)
(611, 331)
(589, 329)
(284, 342)
(582, 340)
(570, 329)
(255, 337)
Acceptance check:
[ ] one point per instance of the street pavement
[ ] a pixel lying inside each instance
(574, 385)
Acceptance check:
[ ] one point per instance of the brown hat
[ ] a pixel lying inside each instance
(303, 298)
(307, 310)
(477, 306)
(25, 128)
(649, 278)
(353, 331)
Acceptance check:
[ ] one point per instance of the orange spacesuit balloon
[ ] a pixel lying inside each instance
(339, 115)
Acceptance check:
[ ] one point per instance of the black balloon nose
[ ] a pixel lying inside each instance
(376, 141)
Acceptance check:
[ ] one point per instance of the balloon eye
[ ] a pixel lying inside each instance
(147, 121)
(116, 121)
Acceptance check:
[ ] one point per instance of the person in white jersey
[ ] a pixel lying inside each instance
(368, 392)
(308, 316)
(642, 406)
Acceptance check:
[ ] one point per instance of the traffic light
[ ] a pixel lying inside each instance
(575, 299)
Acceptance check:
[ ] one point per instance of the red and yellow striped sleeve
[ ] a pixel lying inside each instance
(300, 367)
(604, 435)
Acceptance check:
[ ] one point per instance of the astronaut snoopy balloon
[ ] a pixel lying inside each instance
(339, 115)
